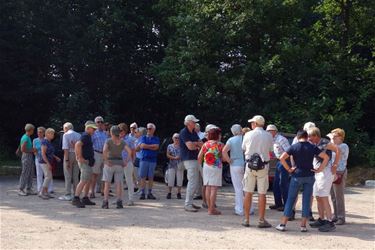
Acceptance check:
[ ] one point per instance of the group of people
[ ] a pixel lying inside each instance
(96, 157)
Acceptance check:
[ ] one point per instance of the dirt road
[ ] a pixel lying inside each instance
(32, 223)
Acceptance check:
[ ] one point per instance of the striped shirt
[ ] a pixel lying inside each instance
(98, 140)
(280, 145)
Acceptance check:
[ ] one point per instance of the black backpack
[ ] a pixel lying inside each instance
(255, 162)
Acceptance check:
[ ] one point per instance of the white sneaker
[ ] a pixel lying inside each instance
(22, 193)
(281, 227)
(65, 198)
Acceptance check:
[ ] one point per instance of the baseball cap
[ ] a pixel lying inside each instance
(99, 119)
(271, 127)
(176, 135)
(90, 124)
(258, 119)
(191, 118)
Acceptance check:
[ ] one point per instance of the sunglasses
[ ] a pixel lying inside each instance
(149, 128)
(99, 122)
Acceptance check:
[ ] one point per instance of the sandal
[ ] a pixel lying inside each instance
(303, 229)
(215, 212)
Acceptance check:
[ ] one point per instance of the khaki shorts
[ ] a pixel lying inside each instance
(86, 171)
(98, 165)
(258, 178)
(114, 170)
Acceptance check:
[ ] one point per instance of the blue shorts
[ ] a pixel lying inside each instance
(146, 169)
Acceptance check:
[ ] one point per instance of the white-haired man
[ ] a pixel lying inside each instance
(257, 145)
(70, 165)
(190, 145)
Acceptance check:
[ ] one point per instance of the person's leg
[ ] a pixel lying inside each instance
(208, 200)
(23, 176)
(213, 195)
(276, 188)
(307, 183)
(96, 169)
(75, 170)
(29, 176)
(171, 176)
(39, 175)
(47, 178)
(192, 176)
(284, 183)
(180, 179)
(340, 198)
(237, 173)
(326, 207)
(151, 171)
(200, 188)
(320, 207)
(128, 171)
(247, 204)
(262, 187)
(262, 206)
(290, 203)
(333, 199)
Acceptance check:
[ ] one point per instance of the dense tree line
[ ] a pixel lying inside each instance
(290, 60)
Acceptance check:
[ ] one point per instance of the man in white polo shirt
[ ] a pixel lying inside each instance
(71, 169)
(259, 142)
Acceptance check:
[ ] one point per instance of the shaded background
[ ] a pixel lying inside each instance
(224, 61)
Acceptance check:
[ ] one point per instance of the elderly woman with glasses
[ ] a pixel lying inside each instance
(337, 192)
(175, 168)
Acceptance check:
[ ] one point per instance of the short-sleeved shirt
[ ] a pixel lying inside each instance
(173, 151)
(258, 141)
(115, 151)
(136, 143)
(236, 154)
(69, 140)
(344, 152)
(131, 144)
(50, 152)
(303, 155)
(98, 140)
(27, 139)
(148, 154)
(186, 136)
(37, 145)
(280, 145)
(87, 148)
(322, 145)
(212, 151)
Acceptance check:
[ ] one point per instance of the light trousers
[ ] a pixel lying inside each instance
(47, 175)
(71, 173)
(237, 173)
(192, 168)
(128, 171)
(39, 177)
(338, 199)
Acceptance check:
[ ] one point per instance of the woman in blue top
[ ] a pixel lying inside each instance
(47, 154)
(237, 163)
(39, 170)
(26, 147)
(302, 173)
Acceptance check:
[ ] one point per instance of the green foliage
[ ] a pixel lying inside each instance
(291, 61)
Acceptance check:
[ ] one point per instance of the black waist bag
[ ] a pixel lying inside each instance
(255, 162)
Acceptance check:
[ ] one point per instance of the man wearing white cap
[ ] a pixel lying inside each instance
(190, 145)
(257, 145)
(281, 180)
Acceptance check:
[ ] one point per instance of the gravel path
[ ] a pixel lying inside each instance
(32, 223)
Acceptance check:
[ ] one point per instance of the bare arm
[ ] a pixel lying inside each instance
(105, 155)
(322, 166)
(283, 159)
(44, 156)
(128, 150)
(337, 151)
(200, 156)
(225, 153)
(24, 148)
(193, 145)
(78, 150)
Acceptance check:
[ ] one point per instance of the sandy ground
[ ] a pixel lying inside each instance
(32, 223)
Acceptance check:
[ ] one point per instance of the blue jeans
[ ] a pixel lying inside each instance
(280, 185)
(294, 186)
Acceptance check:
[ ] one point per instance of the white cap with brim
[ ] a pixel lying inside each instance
(191, 118)
(258, 119)
(209, 127)
(308, 125)
(271, 127)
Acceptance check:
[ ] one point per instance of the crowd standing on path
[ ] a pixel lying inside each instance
(104, 152)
